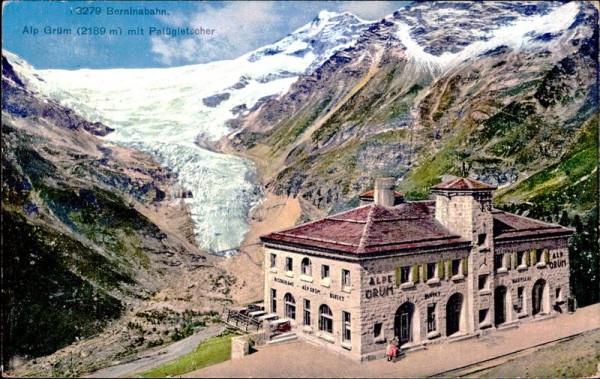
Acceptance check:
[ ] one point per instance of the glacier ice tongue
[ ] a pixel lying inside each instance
(160, 111)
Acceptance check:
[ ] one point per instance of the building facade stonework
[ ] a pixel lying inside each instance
(415, 273)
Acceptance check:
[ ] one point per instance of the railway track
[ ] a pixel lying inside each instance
(476, 369)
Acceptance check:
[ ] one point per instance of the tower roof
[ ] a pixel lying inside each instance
(463, 184)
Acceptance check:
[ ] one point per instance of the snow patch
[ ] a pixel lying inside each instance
(516, 35)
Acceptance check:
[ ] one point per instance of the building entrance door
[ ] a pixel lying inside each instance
(536, 298)
(453, 310)
(403, 323)
(500, 305)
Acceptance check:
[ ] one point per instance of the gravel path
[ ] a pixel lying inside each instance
(158, 357)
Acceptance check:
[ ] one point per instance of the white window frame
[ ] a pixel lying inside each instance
(346, 327)
(346, 280)
(306, 267)
(289, 303)
(306, 316)
(434, 318)
(325, 319)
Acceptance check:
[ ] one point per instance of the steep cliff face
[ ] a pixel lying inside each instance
(500, 91)
(89, 230)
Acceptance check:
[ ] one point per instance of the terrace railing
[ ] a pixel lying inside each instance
(241, 321)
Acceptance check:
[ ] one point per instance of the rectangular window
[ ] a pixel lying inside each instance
(405, 274)
(273, 300)
(483, 282)
(346, 278)
(539, 257)
(498, 261)
(521, 258)
(346, 332)
(455, 267)
(431, 270)
(325, 319)
(288, 264)
(483, 314)
(306, 267)
(431, 323)
(520, 291)
(306, 317)
(377, 330)
(324, 272)
(273, 260)
(481, 239)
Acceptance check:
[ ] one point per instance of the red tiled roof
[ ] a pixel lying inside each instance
(371, 194)
(372, 229)
(463, 184)
(508, 226)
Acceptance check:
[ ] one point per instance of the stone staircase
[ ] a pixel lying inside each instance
(282, 338)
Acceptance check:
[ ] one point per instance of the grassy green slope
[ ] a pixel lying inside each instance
(571, 182)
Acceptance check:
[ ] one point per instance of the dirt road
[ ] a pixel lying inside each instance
(158, 357)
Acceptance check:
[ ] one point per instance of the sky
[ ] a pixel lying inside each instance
(91, 34)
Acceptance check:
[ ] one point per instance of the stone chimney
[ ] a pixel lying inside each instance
(384, 191)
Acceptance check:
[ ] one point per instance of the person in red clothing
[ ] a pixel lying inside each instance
(393, 351)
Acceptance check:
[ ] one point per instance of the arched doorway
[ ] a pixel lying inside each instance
(500, 305)
(453, 314)
(539, 295)
(403, 324)
(290, 306)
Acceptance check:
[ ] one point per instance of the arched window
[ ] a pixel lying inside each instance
(290, 306)
(306, 267)
(325, 319)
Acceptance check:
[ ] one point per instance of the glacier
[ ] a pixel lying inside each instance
(161, 111)
(517, 35)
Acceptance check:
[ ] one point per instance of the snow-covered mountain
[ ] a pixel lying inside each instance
(347, 88)
(165, 112)
(423, 29)
(496, 90)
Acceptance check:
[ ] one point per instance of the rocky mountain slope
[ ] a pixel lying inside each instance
(174, 113)
(90, 231)
(504, 92)
(501, 91)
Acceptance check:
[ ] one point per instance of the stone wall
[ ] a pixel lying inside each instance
(555, 273)
(375, 293)
(240, 347)
(329, 292)
(469, 215)
(376, 275)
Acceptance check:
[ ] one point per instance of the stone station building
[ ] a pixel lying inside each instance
(421, 272)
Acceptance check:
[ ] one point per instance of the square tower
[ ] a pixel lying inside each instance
(464, 206)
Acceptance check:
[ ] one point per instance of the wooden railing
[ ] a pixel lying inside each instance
(241, 321)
